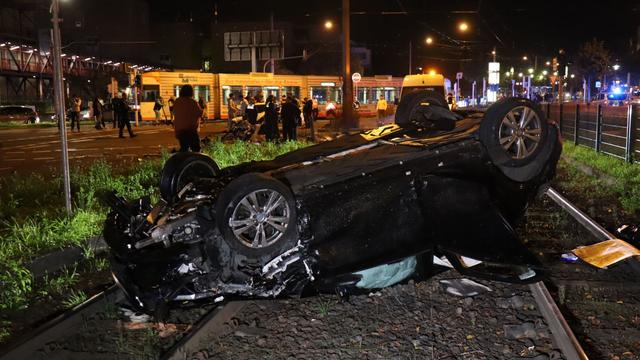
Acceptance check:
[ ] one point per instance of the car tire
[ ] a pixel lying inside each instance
(241, 213)
(517, 137)
(181, 169)
(411, 100)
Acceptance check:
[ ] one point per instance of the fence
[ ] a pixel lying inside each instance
(609, 129)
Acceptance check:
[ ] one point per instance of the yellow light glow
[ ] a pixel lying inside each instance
(530, 71)
(525, 58)
(544, 72)
(429, 40)
(463, 26)
(328, 24)
(432, 72)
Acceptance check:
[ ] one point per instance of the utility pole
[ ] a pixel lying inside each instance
(58, 89)
(347, 86)
(272, 61)
(410, 65)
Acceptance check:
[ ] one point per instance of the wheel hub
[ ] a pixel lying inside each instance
(260, 218)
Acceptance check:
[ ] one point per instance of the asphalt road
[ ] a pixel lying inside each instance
(24, 151)
(38, 150)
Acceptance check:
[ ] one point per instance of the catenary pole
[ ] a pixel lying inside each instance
(58, 89)
(347, 86)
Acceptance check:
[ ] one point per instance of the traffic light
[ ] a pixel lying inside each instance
(562, 62)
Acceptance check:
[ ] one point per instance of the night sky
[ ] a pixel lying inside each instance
(532, 28)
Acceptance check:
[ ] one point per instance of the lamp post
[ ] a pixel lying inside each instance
(58, 90)
(347, 86)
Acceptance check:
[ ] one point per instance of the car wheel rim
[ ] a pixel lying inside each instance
(520, 132)
(260, 218)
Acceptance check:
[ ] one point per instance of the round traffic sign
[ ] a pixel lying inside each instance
(356, 77)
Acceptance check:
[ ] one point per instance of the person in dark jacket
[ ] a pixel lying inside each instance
(97, 113)
(121, 110)
(290, 115)
(269, 127)
(252, 112)
(187, 114)
(307, 110)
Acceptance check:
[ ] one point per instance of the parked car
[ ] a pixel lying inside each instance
(328, 217)
(21, 113)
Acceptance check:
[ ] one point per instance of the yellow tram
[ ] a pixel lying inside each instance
(215, 90)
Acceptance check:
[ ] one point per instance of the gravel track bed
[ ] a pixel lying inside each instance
(601, 305)
(417, 320)
(110, 334)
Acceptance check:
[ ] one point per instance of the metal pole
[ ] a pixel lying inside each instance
(410, 65)
(598, 127)
(631, 126)
(347, 88)
(58, 89)
(272, 61)
(576, 125)
(253, 52)
(135, 97)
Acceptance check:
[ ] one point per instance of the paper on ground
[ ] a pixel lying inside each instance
(606, 253)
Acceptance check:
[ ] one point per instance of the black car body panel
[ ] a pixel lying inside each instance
(360, 201)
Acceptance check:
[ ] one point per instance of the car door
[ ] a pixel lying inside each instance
(464, 220)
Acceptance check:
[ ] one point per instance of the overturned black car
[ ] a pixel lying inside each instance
(363, 211)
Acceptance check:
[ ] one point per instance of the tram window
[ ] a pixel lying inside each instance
(389, 93)
(292, 90)
(201, 91)
(364, 95)
(150, 92)
(254, 91)
(236, 90)
(320, 94)
(272, 90)
(335, 94)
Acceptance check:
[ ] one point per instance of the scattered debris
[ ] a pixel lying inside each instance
(606, 253)
(463, 287)
(569, 257)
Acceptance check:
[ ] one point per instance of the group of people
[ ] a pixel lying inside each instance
(287, 111)
(119, 105)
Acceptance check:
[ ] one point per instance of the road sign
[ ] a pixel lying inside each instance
(239, 46)
(356, 77)
(459, 76)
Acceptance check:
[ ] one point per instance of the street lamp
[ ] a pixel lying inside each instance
(544, 72)
(328, 24)
(548, 63)
(463, 26)
(429, 40)
(616, 67)
(525, 58)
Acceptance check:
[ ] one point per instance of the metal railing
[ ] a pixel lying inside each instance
(613, 130)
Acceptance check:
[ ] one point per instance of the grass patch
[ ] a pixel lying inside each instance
(33, 221)
(627, 176)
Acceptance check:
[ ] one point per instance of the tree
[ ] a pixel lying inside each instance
(592, 61)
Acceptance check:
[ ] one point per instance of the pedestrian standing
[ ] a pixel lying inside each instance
(314, 108)
(156, 109)
(243, 107)
(96, 106)
(290, 114)
(307, 111)
(121, 109)
(203, 106)
(252, 112)
(232, 108)
(187, 120)
(172, 102)
(76, 106)
(381, 106)
(269, 127)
